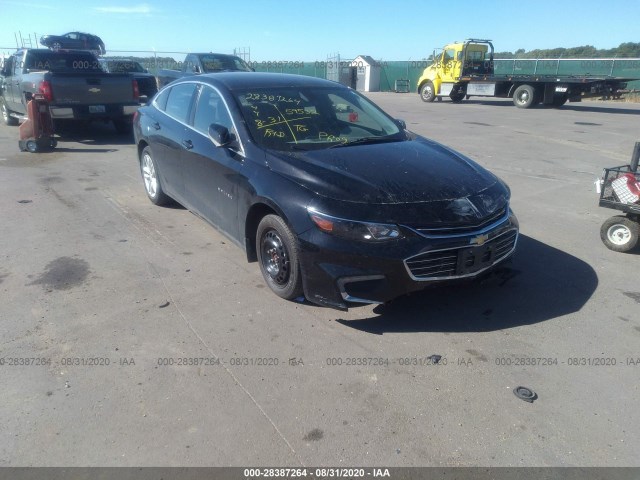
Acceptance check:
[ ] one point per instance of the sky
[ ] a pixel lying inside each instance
(306, 31)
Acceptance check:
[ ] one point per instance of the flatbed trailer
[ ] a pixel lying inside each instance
(466, 69)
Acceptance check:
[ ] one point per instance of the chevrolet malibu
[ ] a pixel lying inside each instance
(332, 197)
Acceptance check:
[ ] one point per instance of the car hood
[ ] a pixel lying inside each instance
(415, 171)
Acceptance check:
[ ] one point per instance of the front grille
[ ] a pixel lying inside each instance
(462, 261)
(461, 230)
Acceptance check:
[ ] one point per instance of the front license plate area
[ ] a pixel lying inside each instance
(472, 259)
(97, 109)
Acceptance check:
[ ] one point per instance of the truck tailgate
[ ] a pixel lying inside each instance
(91, 88)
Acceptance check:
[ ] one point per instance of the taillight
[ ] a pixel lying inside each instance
(135, 116)
(136, 90)
(45, 89)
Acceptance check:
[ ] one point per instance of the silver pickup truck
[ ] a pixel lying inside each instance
(72, 83)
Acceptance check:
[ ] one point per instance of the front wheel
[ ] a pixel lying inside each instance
(6, 114)
(149, 171)
(524, 96)
(620, 233)
(278, 257)
(427, 92)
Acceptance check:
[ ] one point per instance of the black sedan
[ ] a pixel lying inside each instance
(333, 198)
(74, 41)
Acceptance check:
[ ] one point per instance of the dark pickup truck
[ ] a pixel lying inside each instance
(72, 83)
(146, 81)
(197, 63)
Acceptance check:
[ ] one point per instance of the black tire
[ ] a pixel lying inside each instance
(457, 97)
(151, 178)
(524, 96)
(277, 251)
(32, 146)
(620, 233)
(123, 127)
(6, 114)
(559, 100)
(427, 91)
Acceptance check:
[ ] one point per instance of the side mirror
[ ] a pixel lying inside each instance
(401, 123)
(219, 135)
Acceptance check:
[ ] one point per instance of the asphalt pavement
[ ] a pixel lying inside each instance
(136, 335)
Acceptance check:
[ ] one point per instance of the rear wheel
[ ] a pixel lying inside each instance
(559, 100)
(524, 96)
(6, 114)
(151, 179)
(278, 257)
(427, 91)
(620, 233)
(457, 97)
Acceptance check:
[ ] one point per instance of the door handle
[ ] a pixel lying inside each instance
(188, 144)
(155, 125)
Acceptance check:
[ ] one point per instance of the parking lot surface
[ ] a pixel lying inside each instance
(138, 335)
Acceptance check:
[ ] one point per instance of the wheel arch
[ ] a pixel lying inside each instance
(141, 146)
(537, 88)
(260, 209)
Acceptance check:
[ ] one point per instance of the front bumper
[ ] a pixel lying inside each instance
(338, 272)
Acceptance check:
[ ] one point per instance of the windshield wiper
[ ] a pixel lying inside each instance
(366, 140)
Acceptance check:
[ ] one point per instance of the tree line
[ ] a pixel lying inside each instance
(624, 50)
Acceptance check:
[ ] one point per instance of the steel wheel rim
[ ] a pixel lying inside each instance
(427, 92)
(275, 258)
(5, 113)
(149, 175)
(523, 97)
(619, 234)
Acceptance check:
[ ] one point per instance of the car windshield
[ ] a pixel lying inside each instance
(306, 118)
(220, 63)
(124, 66)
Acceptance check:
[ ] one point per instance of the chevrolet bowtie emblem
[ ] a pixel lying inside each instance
(479, 240)
(94, 90)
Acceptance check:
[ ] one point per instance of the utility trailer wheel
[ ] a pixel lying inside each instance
(620, 233)
(524, 96)
(427, 92)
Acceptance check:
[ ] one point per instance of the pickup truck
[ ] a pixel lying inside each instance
(73, 85)
(197, 63)
(147, 85)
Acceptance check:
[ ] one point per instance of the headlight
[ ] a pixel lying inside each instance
(352, 230)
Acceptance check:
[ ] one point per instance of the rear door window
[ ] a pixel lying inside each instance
(179, 101)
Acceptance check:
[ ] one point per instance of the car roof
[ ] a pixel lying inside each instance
(81, 33)
(48, 50)
(242, 80)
